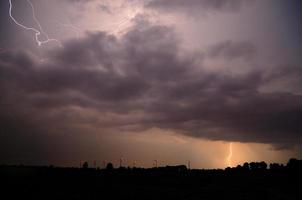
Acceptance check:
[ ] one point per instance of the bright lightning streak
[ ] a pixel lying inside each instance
(36, 31)
(229, 158)
(39, 25)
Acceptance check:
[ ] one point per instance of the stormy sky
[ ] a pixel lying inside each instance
(171, 80)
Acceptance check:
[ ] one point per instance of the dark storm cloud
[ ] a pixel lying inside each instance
(144, 80)
(105, 8)
(195, 6)
(232, 50)
(79, 1)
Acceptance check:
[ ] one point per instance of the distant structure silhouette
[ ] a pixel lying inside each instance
(155, 163)
(121, 162)
(85, 165)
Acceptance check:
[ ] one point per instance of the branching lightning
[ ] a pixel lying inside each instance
(36, 31)
(229, 158)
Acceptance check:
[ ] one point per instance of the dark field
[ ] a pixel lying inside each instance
(279, 182)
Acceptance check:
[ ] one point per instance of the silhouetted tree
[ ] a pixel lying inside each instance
(253, 166)
(246, 166)
(228, 169)
(294, 164)
(262, 165)
(258, 166)
(275, 166)
(109, 166)
(239, 168)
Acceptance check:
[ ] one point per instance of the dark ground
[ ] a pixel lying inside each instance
(279, 182)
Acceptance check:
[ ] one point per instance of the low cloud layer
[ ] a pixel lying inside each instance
(140, 81)
(195, 6)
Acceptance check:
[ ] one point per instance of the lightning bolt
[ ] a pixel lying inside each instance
(36, 31)
(229, 158)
